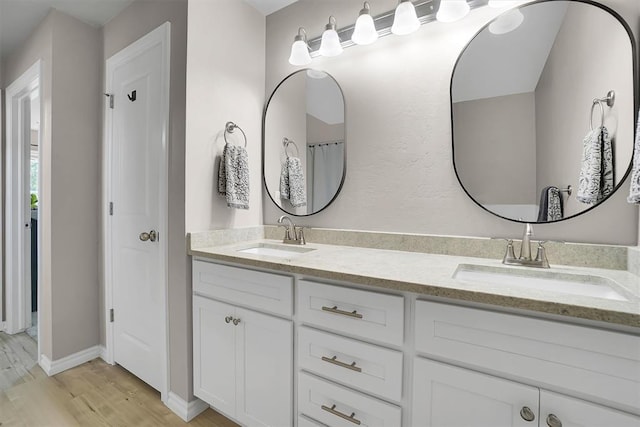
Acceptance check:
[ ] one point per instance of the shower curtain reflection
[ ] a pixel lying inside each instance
(325, 163)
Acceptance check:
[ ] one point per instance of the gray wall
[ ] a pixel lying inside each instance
(138, 19)
(398, 123)
(566, 89)
(508, 124)
(70, 51)
(225, 82)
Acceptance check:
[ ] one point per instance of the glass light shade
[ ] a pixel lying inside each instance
(452, 10)
(507, 22)
(501, 4)
(330, 44)
(405, 19)
(365, 30)
(299, 53)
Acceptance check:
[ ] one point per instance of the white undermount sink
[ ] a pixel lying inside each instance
(280, 251)
(566, 283)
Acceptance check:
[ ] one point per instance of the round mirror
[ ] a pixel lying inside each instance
(543, 109)
(303, 145)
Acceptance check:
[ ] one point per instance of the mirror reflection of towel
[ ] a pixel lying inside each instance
(551, 208)
(596, 174)
(292, 185)
(634, 190)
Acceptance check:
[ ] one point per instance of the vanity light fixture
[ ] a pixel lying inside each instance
(299, 49)
(405, 19)
(507, 22)
(452, 10)
(365, 29)
(330, 45)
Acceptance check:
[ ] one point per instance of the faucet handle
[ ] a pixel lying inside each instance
(509, 254)
(299, 231)
(541, 255)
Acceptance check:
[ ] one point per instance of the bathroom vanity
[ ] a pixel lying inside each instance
(343, 336)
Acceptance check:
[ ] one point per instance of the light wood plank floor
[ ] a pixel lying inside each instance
(93, 394)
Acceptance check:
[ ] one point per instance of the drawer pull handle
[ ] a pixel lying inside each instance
(527, 414)
(553, 421)
(333, 411)
(236, 321)
(336, 310)
(228, 319)
(334, 360)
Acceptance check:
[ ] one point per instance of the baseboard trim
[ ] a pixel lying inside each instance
(53, 367)
(186, 410)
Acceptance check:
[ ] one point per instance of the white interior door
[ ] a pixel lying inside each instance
(138, 81)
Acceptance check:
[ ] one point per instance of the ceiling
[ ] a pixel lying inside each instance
(18, 18)
(267, 7)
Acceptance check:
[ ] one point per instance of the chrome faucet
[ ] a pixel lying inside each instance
(525, 258)
(293, 235)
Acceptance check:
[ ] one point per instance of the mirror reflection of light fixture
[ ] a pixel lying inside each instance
(502, 4)
(507, 22)
(330, 45)
(299, 49)
(316, 74)
(405, 19)
(452, 10)
(365, 30)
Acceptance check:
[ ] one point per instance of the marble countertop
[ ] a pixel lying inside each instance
(432, 275)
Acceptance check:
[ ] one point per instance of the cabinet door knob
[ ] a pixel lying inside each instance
(228, 319)
(553, 421)
(527, 414)
(236, 321)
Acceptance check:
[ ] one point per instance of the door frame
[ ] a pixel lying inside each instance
(18, 293)
(162, 36)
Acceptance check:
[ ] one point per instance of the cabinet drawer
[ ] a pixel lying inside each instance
(255, 289)
(332, 405)
(587, 362)
(308, 422)
(377, 370)
(371, 315)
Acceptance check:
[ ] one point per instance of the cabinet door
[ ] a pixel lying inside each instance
(558, 410)
(447, 396)
(214, 354)
(265, 370)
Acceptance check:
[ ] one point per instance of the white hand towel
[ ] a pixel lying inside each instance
(233, 176)
(292, 184)
(596, 174)
(634, 190)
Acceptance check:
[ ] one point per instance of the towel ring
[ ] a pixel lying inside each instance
(610, 100)
(229, 128)
(286, 142)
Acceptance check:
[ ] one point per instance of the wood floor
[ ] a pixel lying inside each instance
(93, 394)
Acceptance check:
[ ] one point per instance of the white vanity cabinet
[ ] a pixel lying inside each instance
(446, 395)
(242, 359)
(585, 363)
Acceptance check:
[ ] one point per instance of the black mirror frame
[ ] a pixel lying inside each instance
(264, 126)
(636, 97)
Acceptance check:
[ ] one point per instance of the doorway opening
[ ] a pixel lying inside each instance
(22, 203)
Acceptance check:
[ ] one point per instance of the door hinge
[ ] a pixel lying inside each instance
(111, 315)
(110, 96)
(111, 208)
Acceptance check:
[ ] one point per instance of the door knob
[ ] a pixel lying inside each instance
(152, 236)
(527, 414)
(553, 421)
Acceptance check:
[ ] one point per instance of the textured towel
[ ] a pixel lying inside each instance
(551, 208)
(292, 186)
(596, 174)
(634, 191)
(233, 176)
